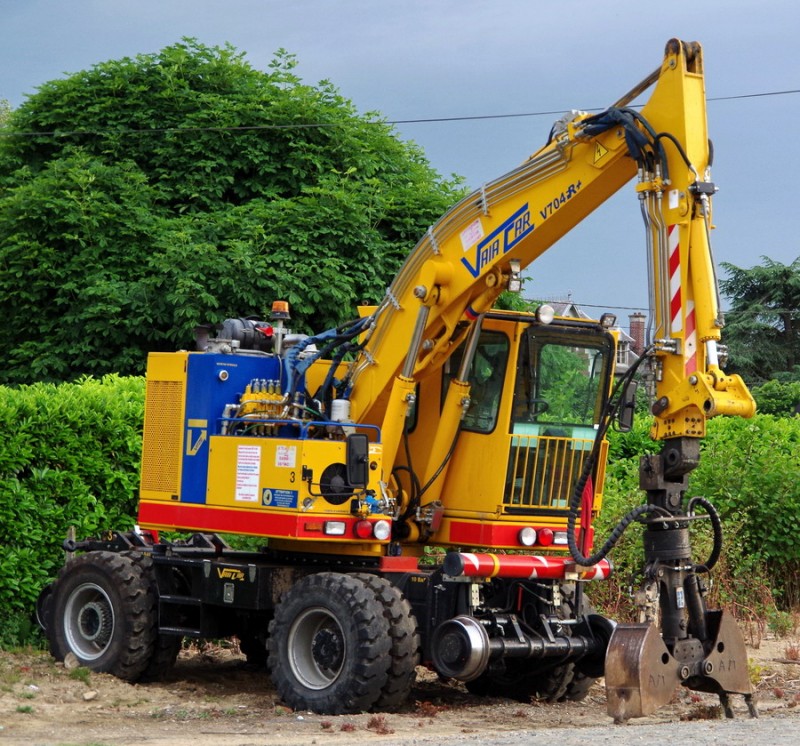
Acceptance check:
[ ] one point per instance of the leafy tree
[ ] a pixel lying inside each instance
(781, 398)
(184, 187)
(763, 329)
(5, 110)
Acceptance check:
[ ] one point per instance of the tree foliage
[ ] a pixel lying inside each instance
(145, 196)
(763, 324)
(781, 398)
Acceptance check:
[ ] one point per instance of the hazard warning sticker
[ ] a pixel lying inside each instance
(599, 152)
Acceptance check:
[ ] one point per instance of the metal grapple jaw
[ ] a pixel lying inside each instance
(691, 646)
(642, 673)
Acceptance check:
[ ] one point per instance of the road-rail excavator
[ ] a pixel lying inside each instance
(425, 476)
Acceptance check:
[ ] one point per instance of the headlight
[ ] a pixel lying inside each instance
(545, 314)
(527, 536)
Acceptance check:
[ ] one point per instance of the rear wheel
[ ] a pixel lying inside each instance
(166, 647)
(329, 645)
(103, 611)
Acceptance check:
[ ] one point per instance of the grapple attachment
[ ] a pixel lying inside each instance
(642, 673)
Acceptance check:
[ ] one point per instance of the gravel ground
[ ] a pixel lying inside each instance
(213, 698)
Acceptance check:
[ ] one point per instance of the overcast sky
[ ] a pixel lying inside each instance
(411, 59)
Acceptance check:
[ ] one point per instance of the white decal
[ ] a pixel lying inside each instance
(471, 234)
(248, 469)
(286, 456)
(673, 196)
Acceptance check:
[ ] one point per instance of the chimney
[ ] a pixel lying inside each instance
(637, 332)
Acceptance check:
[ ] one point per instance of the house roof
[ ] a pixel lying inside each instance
(572, 310)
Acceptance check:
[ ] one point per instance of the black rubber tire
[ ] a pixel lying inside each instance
(578, 688)
(166, 647)
(254, 648)
(405, 642)
(104, 613)
(162, 660)
(329, 645)
(552, 685)
(522, 683)
(580, 683)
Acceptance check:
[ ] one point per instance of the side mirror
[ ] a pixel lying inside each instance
(357, 460)
(627, 407)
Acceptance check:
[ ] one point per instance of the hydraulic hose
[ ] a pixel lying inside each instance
(577, 494)
(716, 528)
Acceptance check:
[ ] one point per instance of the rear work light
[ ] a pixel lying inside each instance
(335, 528)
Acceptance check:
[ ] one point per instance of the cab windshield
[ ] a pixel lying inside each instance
(560, 381)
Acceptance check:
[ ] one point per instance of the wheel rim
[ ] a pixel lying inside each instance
(317, 648)
(89, 621)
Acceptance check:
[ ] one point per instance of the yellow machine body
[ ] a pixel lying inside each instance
(221, 456)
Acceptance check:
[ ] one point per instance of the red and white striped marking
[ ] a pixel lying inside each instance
(690, 341)
(676, 304)
(521, 566)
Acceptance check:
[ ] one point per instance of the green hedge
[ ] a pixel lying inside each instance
(69, 456)
(750, 471)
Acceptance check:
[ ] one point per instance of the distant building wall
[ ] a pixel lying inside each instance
(637, 332)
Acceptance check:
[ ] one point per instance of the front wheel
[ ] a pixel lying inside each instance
(103, 611)
(329, 645)
(404, 652)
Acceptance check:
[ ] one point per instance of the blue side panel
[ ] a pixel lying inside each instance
(212, 381)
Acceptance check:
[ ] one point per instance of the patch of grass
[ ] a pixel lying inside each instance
(81, 673)
(754, 671)
(25, 709)
(8, 677)
(781, 623)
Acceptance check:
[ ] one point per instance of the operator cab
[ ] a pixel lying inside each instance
(537, 392)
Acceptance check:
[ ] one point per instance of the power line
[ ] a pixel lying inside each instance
(597, 305)
(326, 125)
